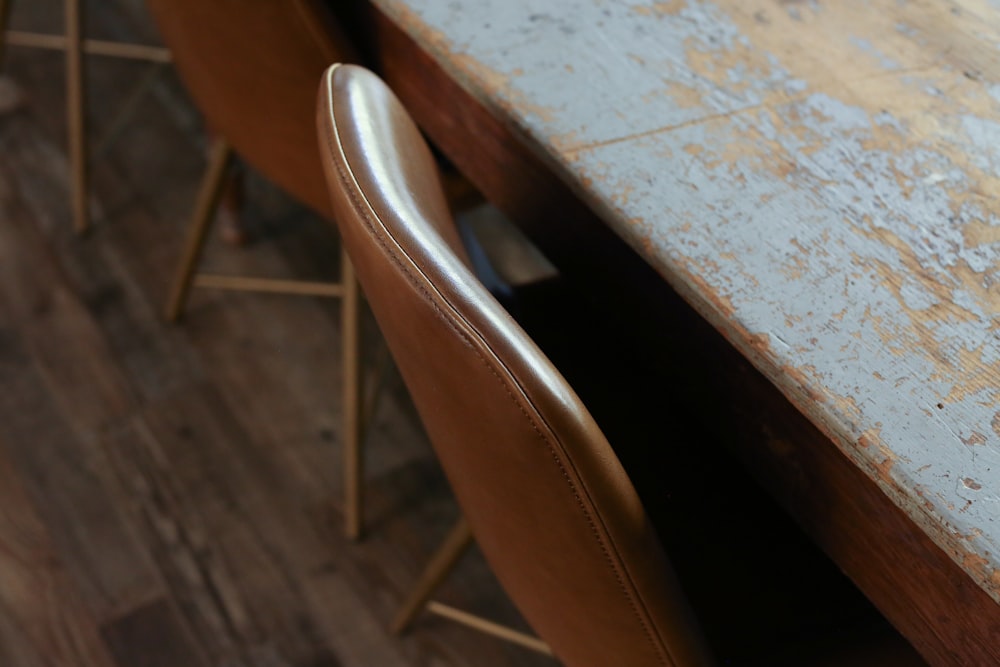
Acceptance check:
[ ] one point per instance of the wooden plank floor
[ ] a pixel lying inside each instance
(170, 495)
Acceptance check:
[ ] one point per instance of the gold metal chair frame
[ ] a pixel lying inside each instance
(75, 46)
(211, 189)
(445, 559)
(187, 277)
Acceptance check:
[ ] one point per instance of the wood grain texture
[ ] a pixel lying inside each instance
(43, 619)
(819, 180)
(154, 635)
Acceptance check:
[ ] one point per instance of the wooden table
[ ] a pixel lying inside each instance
(819, 181)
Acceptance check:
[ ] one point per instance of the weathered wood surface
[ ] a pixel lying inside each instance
(818, 179)
(926, 594)
(169, 494)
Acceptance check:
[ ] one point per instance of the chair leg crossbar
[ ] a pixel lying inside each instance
(210, 195)
(440, 566)
(187, 277)
(75, 47)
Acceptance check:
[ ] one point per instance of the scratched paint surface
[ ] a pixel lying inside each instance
(820, 179)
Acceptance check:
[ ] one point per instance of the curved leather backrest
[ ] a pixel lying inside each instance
(546, 497)
(251, 67)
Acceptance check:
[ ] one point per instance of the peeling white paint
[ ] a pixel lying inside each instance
(701, 132)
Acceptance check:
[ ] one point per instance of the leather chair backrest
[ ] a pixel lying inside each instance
(251, 67)
(547, 499)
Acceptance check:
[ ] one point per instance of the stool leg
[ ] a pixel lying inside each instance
(208, 199)
(353, 457)
(76, 115)
(443, 562)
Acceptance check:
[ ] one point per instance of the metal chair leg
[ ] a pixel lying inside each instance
(75, 46)
(76, 115)
(440, 566)
(353, 456)
(208, 199)
(489, 627)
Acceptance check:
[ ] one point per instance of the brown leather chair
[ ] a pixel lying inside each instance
(251, 69)
(545, 495)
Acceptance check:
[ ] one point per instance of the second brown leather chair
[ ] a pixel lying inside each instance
(251, 69)
(545, 495)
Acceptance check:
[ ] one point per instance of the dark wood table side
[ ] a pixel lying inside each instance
(923, 592)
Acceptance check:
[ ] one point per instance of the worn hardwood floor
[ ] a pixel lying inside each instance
(169, 495)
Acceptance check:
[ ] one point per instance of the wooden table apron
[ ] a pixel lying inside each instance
(926, 563)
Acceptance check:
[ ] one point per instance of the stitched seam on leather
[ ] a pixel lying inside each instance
(588, 514)
(367, 214)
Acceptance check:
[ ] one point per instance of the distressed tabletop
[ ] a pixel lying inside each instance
(819, 179)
